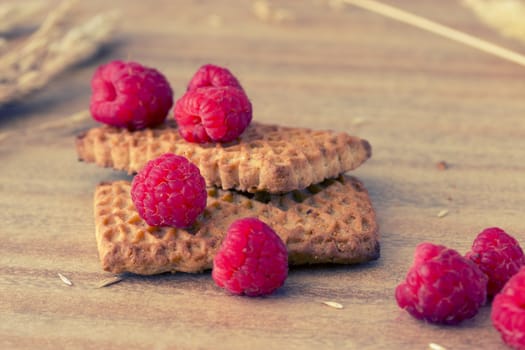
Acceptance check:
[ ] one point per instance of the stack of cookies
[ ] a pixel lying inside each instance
(293, 179)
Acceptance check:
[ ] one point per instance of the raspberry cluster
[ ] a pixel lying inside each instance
(215, 107)
(252, 260)
(444, 287)
(169, 190)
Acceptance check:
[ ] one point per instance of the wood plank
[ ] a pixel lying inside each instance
(417, 98)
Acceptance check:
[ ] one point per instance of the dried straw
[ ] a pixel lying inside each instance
(54, 47)
(13, 15)
(433, 27)
(506, 16)
(267, 12)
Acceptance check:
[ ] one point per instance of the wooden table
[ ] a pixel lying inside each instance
(418, 98)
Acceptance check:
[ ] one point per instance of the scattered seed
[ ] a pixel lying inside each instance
(434, 346)
(109, 281)
(65, 279)
(333, 304)
(442, 213)
(358, 121)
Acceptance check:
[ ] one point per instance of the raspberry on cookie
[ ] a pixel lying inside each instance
(213, 114)
(169, 191)
(130, 95)
(252, 259)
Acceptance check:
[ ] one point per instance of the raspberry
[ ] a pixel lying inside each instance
(497, 254)
(129, 95)
(169, 191)
(508, 311)
(213, 114)
(252, 259)
(442, 286)
(210, 75)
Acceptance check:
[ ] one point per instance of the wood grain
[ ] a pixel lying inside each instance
(417, 98)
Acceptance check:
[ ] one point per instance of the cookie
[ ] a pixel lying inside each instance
(267, 158)
(331, 222)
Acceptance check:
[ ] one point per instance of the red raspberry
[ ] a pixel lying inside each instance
(213, 114)
(169, 191)
(129, 95)
(442, 286)
(252, 259)
(499, 255)
(508, 311)
(210, 75)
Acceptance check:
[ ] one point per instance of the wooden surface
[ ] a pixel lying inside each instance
(417, 98)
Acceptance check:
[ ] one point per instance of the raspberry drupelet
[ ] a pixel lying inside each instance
(252, 259)
(498, 255)
(169, 191)
(442, 286)
(130, 95)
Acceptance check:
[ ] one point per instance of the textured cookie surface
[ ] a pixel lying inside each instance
(268, 158)
(331, 222)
